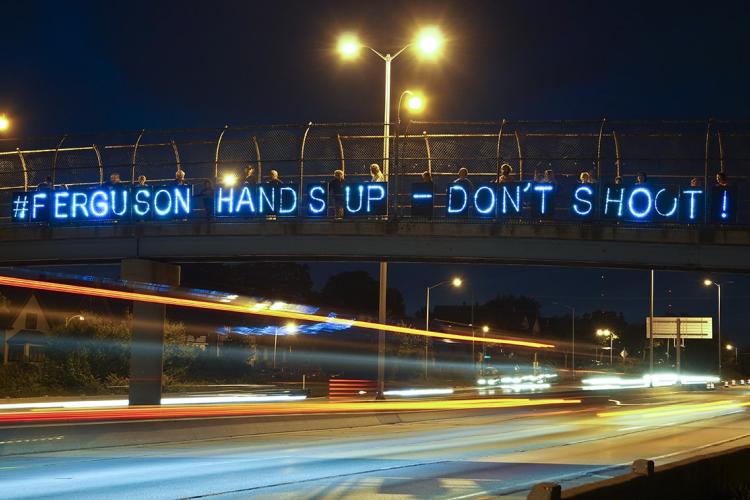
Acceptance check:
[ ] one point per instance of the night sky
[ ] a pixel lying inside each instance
(105, 66)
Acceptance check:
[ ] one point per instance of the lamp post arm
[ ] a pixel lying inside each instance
(375, 52)
(394, 56)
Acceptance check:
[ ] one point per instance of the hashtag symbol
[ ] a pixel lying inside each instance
(20, 207)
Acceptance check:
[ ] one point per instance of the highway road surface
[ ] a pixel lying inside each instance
(502, 454)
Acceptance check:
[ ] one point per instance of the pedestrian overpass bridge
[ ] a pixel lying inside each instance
(549, 243)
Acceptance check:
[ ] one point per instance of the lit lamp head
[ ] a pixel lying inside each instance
(485, 328)
(707, 282)
(229, 180)
(291, 328)
(730, 347)
(429, 42)
(415, 103)
(349, 46)
(81, 318)
(457, 282)
(4, 123)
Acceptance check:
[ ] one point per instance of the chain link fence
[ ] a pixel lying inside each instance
(671, 152)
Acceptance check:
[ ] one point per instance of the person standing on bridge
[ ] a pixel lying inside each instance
(273, 178)
(114, 180)
(641, 178)
(721, 179)
(250, 177)
(207, 198)
(375, 174)
(141, 182)
(179, 177)
(585, 178)
(506, 171)
(45, 185)
(336, 193)
(463, 180)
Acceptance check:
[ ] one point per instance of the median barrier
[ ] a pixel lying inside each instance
(719, 475)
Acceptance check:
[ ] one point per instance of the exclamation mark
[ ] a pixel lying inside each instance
(724, 205)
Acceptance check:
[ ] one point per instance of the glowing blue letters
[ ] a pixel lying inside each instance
(458, 200)
(641, 202)
(583, 204)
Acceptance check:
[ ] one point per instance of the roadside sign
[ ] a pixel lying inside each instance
(689, 328)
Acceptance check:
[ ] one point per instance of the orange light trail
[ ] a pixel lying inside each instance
(199, 304)
(258, 409)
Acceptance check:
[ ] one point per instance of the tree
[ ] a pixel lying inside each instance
(273, 280)
(357, 292)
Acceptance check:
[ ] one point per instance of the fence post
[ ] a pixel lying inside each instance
(176, 154)
(599, 151)
(302, 157)
(520, 155)
(498, 149)
(54, 159)
(135, 153)
(24, 169)
(257, 158)
(99, 162)
(216, 153)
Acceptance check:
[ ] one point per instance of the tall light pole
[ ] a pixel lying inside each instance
(456, 283)
(429, 42)
(708, 282)
(485, 330)
(572, 333)
(736, 349)
(291, 329)
(607, 333)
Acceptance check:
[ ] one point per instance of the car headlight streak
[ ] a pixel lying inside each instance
(244, 309)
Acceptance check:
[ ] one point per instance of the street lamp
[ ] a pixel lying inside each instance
(79, 317)
(734, 348)
(456, 282)
(4, 123)
(428, 43)
(708, 282)
(415, 103)
(573, 333)
(291, 329)
(485, 330)
(607, 333)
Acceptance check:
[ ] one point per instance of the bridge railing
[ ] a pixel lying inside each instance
(668, 151)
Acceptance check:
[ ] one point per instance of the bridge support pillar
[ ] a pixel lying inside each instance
(147, 337)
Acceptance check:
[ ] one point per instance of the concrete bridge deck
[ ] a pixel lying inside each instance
(549, 243)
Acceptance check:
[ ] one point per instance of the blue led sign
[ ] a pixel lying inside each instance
(639, 203)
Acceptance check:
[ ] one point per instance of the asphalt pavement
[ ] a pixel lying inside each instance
(501, 454)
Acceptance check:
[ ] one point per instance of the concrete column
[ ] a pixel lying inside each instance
(147, 336)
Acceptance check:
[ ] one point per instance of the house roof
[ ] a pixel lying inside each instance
(34, 337)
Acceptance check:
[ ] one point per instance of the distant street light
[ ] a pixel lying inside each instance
(573, 334)
(291, 329)
(736, 350)
(607, 333)
(4, 123)
(456, 283)
(708, 282)
(75, 316)
(485, 331)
